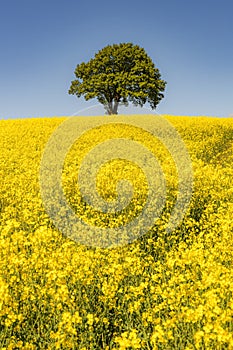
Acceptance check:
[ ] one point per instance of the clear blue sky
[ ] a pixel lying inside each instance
(42, 41)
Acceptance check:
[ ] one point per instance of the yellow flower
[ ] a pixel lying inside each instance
(90, 319)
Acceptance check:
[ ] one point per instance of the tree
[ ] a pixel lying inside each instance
(119, 73)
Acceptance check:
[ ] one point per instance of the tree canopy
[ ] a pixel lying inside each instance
(119, 73)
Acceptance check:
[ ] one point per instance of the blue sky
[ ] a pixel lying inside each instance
(42, 41)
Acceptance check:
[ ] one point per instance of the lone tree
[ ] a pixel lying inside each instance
(119, 73)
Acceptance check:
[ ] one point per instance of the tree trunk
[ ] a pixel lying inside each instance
(116, 103)
(112, 108)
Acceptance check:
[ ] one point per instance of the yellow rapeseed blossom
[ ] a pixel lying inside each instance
(164, 290)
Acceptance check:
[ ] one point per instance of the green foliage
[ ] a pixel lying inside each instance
(119, 73)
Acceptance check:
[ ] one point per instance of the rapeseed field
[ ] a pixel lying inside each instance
(164, 290)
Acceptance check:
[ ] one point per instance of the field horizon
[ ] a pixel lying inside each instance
(105, 115)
